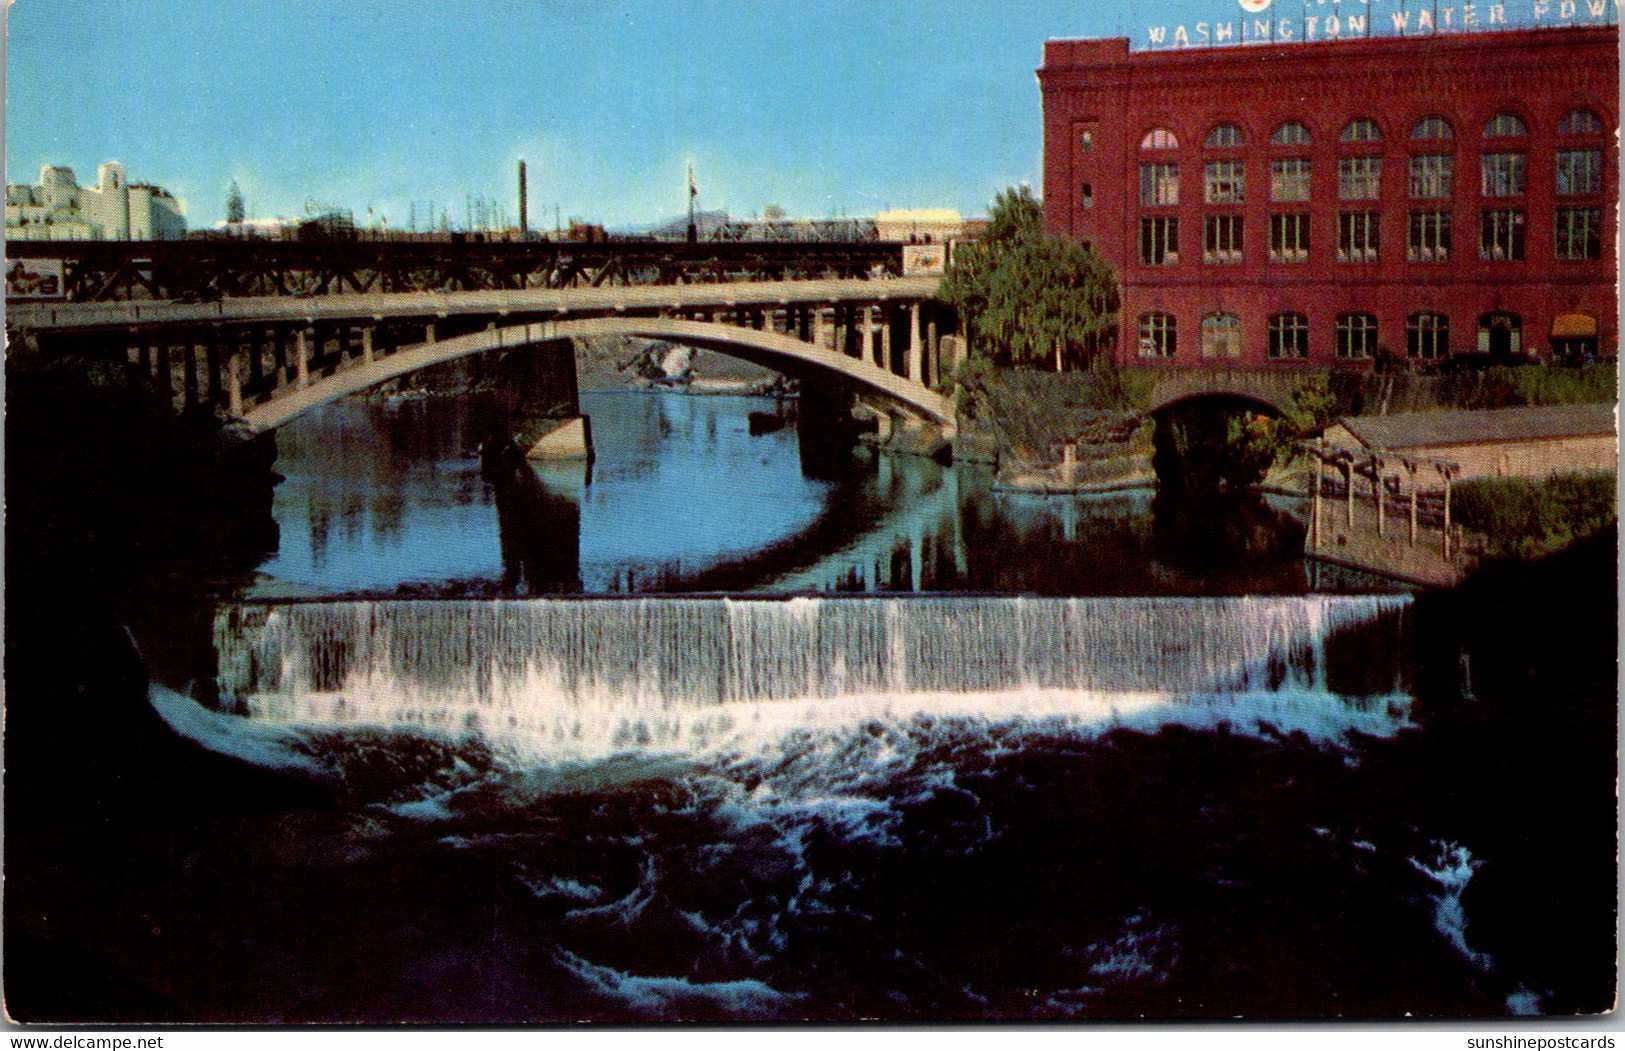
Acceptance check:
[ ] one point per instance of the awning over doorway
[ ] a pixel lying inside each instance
(1573, 326)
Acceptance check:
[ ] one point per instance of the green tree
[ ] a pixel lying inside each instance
(236, 211)
(1028, 298)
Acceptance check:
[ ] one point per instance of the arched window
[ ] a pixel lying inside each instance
(1357, 336)
(1361, 129)
(1500, 334)
(1221, 336)
(1433, 127)
(1158, 338)
(1289, 336)
(1290, 134)
(1504, 125)
(1159, 139)
(1427, 336)
(1225, 135)
(1580, 122)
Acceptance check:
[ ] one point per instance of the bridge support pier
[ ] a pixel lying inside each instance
(824, 426)
(933, 347)
(916, 357)
(544, 413)
(234, 386)
(302, 340)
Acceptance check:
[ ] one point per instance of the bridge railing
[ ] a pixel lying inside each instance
(203, 270)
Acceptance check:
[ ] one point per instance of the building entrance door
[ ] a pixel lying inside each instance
(1500, 335)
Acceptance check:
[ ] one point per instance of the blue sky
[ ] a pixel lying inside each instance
(824, 108)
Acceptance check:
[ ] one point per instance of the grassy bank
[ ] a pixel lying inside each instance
(1360, 393)
(1521, 518)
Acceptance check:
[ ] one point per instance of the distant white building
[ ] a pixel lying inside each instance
(59, 209)
(272, 229)
(919, 225)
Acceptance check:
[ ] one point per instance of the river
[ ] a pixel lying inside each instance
(390, 498)
(689, 735)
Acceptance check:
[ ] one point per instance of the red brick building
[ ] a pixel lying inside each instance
(1331, 202)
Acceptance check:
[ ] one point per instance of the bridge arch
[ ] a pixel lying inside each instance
(1251, 399)
(1270, 392)
(774, 350)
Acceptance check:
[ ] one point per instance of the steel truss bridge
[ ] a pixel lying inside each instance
(208, 269)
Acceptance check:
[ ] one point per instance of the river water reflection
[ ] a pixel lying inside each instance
(391, 498)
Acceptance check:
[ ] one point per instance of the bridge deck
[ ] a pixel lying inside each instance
(378, 305)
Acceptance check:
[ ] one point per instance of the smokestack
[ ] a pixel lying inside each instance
(524, 223)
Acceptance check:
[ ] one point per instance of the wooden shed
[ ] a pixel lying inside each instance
(1523, 442)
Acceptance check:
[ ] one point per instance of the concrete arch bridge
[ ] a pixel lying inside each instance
(876, 343)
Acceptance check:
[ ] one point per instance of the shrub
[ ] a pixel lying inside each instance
(1527, 518)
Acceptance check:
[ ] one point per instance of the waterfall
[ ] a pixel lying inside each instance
(594, 675)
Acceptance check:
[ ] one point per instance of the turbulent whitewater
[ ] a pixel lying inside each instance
(906, 808)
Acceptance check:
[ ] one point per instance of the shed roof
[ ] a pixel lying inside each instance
(1410, 430)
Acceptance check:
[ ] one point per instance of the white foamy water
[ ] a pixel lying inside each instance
(585, 679)
(1451, 866)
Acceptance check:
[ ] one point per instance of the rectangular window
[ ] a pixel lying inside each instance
(1357, 237)
(1289, 336)
(1289, 238)
(1359, 178)
(1502, 235)
(1579, 172)
(1289, 180)
(1427, 336)
(1224, 182)
(1430, 237)
(1221, 336)
(1356, 336)
(1221, 239)
(1159, 240)
(1431, 175)
(1579, 233)
(1159, 184)
(1503, 175)
(1158, 338)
